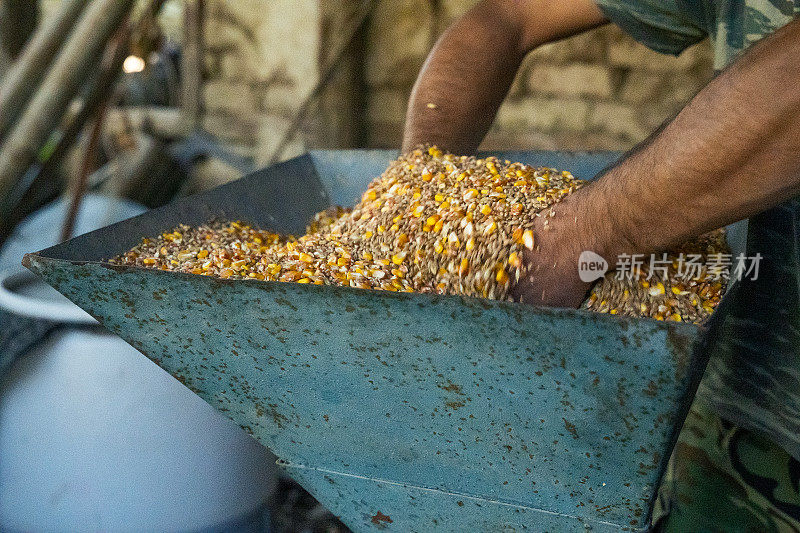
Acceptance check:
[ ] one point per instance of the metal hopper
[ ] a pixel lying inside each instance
(407, 412)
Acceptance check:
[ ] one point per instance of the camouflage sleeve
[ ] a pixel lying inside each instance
(666, 26)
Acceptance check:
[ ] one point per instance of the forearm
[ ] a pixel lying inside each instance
(470, 70)
(463, 82)
(732, 152)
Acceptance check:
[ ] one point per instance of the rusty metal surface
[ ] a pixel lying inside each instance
(438, 412)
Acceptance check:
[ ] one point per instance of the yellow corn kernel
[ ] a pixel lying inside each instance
(527, 239)
(502, 276)
(463, 268)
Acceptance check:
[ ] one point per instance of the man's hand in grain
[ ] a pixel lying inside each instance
(579, 223)
(550, 271)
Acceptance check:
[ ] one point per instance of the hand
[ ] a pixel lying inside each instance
(551, 270)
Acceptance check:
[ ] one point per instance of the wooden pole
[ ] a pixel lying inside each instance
(77, 58)
(27, 71)
(192, 63)
(88, 165)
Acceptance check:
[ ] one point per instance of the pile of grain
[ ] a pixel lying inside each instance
(432, 222)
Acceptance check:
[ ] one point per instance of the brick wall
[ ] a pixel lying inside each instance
(261, 59)
(596, 91)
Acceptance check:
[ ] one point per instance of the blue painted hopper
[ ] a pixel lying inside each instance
(406, 412)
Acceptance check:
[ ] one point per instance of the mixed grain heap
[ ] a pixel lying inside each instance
(432, 222)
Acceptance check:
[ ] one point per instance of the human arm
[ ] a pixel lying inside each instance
(470, 69)
(732, 152)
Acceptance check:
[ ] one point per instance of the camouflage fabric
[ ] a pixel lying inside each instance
(669, 26)
(735, 464)
(722, 477)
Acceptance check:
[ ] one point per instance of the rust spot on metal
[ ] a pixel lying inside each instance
(451, 387)
(651, 390)
(569, 426)
(656, 458)
(381, 519)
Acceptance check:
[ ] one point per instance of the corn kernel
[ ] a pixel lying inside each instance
(527, 239)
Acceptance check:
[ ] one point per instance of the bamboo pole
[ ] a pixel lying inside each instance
(77, 58)
(27, 71)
